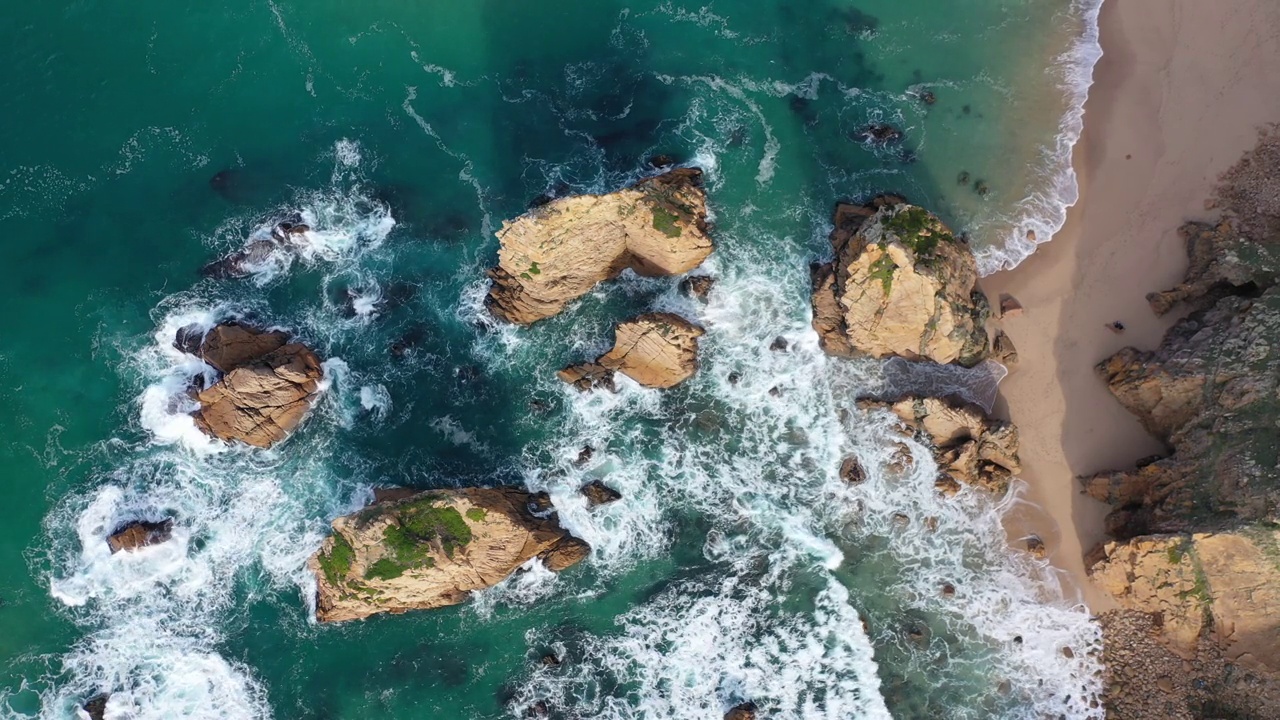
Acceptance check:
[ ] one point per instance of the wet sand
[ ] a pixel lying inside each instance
(1178, 96)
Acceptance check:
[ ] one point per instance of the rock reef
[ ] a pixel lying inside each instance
(557, 252)
(1212, 393)
(416, 551)
(266, 387)
(657, 350)
(901, 284)
(970, 448)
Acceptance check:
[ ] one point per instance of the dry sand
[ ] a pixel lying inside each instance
(1178, 97)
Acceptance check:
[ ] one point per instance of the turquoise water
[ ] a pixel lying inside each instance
(143, 140)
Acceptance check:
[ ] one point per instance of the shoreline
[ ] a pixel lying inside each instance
(1178, 96)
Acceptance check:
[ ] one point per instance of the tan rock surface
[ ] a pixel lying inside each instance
(433, 549)
(1221, 586)
(556, 253)
(266, 389)
(657, 350)
(901, 285)
(970, 447)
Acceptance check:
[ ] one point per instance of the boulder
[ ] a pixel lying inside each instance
(139, 534)
(970, 447)
(598, 493)
(1009, 306)
(556, 253)
(1211, 392)
(742, 711)
(266, 387)
(433, 549)
(697, 286)
(96, 707)
(901, 284)
(657, 350)
(1003, 350)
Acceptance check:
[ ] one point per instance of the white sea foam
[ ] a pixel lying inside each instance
(343, 222)
(758, 457)
(1037, 217)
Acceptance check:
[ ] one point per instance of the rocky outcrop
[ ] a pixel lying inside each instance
(901, 284)
(742, 711)
(657, 350)
(1212, 393)
(1207, 587)
(1224, 584)
(559, 251)
(970, 448)
(266, 387)
(1222, 262)
(416, 551)
(139, 534)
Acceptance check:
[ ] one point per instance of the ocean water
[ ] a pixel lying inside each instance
(143, 140)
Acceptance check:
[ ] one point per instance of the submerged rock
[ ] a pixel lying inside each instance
(970, 448)
(657, 350)
(598, 493)
(139, 534)
(556, 253)
(901, 285)
(433, 549)
(266, 388)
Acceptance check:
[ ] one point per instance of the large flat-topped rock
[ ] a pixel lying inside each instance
(901, 284)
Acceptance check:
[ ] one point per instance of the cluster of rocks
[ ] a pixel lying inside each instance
(970, 448)
(901, 284)
(564, 247)
(1193, 562)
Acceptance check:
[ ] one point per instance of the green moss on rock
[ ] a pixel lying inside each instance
(337, 562)
(666, 222)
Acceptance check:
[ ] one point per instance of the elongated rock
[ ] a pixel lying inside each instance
(417, 551)
(556, 253)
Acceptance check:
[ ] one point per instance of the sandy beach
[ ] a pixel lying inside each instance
(1178, 97)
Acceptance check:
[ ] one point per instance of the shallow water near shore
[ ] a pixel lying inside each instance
(143, 142)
